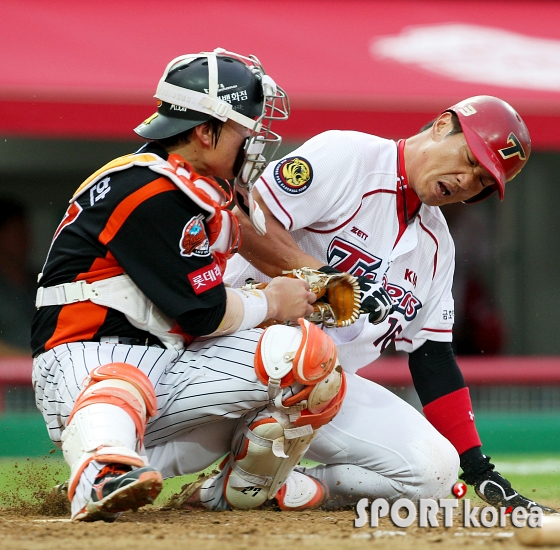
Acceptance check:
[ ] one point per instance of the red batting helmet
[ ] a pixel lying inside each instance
(497, 137)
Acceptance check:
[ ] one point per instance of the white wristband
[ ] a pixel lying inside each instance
(255, 307)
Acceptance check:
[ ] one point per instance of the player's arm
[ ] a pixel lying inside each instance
(185, 283)
(281, 300)
(447, 405)
(276, 251)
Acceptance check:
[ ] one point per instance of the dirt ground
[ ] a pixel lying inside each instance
(163, 528)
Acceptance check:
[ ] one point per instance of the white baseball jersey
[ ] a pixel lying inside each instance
(341, 197)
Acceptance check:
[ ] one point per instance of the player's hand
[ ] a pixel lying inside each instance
(289, 299)
(375, 300)
(496, 490)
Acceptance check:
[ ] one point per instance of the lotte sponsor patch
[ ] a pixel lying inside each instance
(293, 175)
(205, 278)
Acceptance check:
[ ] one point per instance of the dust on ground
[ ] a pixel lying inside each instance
(34, 518)
(169, 529)
(33, 493)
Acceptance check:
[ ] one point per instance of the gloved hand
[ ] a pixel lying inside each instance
(375, 300)
(491, 486)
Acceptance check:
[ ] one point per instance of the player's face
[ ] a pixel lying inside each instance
(446, 171)
(221, 159)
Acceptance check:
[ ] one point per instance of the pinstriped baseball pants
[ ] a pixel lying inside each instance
(201, 391)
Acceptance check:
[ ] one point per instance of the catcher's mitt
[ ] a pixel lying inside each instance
(338, 296)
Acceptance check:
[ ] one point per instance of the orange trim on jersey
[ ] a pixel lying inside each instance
(115, 164)
(128, 205)
(189, 339)
(101, 268)
(77, 322)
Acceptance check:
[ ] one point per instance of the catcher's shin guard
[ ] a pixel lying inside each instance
(274, 445)
(108, 420)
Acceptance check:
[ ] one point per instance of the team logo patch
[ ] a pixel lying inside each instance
(293, 175)
(194, 241)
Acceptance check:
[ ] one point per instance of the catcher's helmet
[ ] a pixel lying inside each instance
(222, 85)
(228, 80)
(497, 137)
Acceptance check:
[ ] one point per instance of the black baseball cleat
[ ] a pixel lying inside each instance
(118, 488)
(497, 491)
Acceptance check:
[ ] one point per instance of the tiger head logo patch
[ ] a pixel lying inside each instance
(293, 175)
(194, 241)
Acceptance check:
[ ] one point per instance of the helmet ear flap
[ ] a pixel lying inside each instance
(484, 194)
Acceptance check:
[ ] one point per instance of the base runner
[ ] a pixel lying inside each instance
(352, 202)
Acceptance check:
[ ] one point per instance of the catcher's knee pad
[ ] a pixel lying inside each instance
(93, 431)
(274, 446)
(287, 355)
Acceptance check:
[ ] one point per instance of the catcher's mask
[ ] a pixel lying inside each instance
(197, 87)
(497, 137)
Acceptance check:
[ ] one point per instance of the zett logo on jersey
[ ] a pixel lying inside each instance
(194, 241)
(293, 175)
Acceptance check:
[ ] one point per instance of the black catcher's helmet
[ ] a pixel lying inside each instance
(235, 83)
(223, 85)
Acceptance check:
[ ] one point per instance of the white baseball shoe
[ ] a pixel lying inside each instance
(302, 492)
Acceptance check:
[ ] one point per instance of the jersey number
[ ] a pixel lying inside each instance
(254, 490)
(392, 332)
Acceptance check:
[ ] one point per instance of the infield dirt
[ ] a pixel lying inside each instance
(34, 519)
(165, 529)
